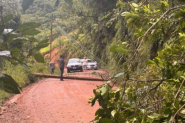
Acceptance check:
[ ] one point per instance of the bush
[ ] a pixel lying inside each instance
(20, 74)
(44, 68)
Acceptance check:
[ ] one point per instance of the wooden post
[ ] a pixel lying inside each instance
(51, 36)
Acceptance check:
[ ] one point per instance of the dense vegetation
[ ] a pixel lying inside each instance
(17, 47)
(141, 43)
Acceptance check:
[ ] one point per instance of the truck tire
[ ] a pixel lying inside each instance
(81, 69)
(68, 71)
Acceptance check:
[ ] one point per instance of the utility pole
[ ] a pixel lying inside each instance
(51, 36)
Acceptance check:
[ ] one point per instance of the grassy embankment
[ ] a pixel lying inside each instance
(20, 74)
(23, 75)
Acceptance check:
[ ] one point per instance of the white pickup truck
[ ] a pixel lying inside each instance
(90, 64)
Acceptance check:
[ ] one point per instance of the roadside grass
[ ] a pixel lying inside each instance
(44, 68)
(20, 74)
(3, 96)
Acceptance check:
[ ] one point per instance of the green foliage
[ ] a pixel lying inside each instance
(18, 73)
(12, 75)
(142, 43)
(9, 84)
(38, 57)
(26, 26)
(7, 18)
(43, 68)
(152, 77)
(18, 43)
(26, 4)
(29, 29)
(121, 48)
(15, 43)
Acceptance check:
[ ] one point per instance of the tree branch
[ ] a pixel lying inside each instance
(144, 105)
(157, 85)
(178, 90)
(143, 36)
(173, 121)
(152, 80)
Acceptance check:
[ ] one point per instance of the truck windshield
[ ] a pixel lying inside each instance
(74, 61)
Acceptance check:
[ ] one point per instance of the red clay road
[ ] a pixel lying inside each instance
(52, 101)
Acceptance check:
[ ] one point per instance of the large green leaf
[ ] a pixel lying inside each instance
(9, 37)
(113, 112)
(120, 3)
(120, 50)
(119, 74)
(113, 48)
(33, 39)
(149, 62)
(12, 36)
(43, 44)
(8, 84)
(39, 58)
(26, 4)
(16, 44)
(15, 52)
(104, 91)
(26, 26)
(6, 37)
(99, 111)
(93, 101)
(155, 116)
(135, 5)
(31, 32)
(105, 120)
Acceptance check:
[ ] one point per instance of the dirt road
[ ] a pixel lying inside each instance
(52, 101)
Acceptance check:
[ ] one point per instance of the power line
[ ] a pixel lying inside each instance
(80, 45)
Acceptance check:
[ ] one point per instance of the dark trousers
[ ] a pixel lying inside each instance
(62, 71)
(52, 70)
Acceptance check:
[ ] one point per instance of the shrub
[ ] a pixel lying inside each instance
(20, 74)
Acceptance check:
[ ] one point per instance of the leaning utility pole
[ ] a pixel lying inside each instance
(51, 36)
